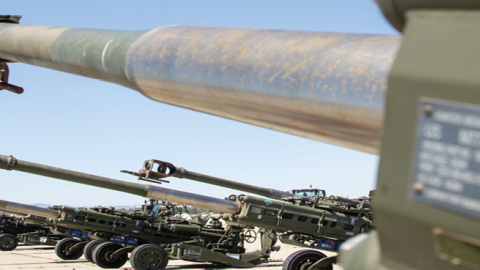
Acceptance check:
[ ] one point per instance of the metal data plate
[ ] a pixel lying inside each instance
(446, 168)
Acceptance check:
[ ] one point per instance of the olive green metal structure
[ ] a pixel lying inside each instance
(306, 222)
(15, 229)
(165, 169)
(329, 87)
(105, 236)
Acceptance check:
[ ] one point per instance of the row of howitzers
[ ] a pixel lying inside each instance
(163, 229)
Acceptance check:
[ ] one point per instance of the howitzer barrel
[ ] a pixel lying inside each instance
(28, 209)
(179, 172)
(324, 86)
(267, 192)
(148, 191)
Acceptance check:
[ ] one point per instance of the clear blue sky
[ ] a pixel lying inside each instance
(100, 128)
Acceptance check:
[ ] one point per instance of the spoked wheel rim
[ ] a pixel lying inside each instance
(151, 259)
(7, 242)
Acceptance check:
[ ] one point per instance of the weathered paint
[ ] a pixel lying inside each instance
(99, 54)
(324, 86)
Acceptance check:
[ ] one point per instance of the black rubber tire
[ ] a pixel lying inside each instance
(303, 259)
(62, 249)
(88, 249)
(149, 257)
(8, 242)
(101, 255)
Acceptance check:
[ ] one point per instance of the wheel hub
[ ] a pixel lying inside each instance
(151, 259)
(6, 242)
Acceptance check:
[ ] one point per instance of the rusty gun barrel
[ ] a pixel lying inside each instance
(147, 191)
(324, 86)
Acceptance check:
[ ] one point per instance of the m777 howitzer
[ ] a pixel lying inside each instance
(156, 170)
(352, 209)
(299, 225)
(426, 210)
(14, 229)
(106, 236)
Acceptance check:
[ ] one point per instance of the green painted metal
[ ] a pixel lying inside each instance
(155, 170)
(437, 61)
(148, 191)
(137, 189)
(395, 11)
(146, 227)
(18, 227)
(315, 222)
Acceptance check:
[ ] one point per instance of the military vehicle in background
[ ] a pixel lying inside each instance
(105, 236)
(306, 222)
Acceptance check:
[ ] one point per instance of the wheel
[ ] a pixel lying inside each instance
(303, 259)
(102, 255)
(250, 236)
(88, 249)
(62, 249)
(149, 257)
(8, 242)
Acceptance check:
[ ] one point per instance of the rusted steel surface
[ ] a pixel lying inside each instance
(324, 86)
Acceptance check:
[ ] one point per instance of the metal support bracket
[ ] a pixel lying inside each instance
(121, 251)
(323, 263)
(11, 162)
(4, 85)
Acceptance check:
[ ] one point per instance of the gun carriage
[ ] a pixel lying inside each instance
(14, 229)
(105, 236)
(298, 220)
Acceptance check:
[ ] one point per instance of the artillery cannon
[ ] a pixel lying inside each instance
(156, 170)
(298, 224)
(14, 229)
(101, 231)
(424, 212)
(217, 71)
